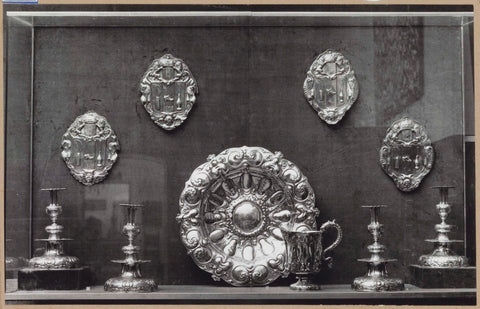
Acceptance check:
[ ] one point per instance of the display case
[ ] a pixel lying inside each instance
(124, 105)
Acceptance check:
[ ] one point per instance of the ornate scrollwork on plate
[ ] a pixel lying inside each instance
(406, 154)
(331, 87)
(89, 148)
(168, 91)
(231, 210)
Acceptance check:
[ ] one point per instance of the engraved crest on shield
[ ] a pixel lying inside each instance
(407, 154)
(168, 91)
(89, 148)
(330, 86)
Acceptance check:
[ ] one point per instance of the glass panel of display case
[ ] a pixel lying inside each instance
(250, 66)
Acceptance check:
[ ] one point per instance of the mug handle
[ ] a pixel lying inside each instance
(328, 225)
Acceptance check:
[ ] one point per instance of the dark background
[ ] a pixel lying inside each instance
(250, 93)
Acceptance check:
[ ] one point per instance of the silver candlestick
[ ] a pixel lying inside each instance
(131, 278)
(376, 278)
(54, 256)
(443, 255)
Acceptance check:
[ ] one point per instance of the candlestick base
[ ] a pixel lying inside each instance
(377, 284)
(376, 279)
(53, 262)
(124, 284)
(443, 261)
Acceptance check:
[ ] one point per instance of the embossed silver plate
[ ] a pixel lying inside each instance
(89, 148)
(331, 87)
(168, 91)
(406, 154)
(231, 210)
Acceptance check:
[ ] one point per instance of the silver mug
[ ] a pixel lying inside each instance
(306, 256)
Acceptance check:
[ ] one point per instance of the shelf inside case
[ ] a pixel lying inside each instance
(340, 293)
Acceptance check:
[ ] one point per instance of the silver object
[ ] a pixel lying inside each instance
(11, 262)
(406, 154)
(89, 148)
(306, 256)
(53, 257)
(376, 279)
(331, 87)
(168, 91)
(231, 210)
(131, 278)
(443, 255)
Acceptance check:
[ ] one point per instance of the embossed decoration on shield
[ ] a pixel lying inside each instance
(89, 148)
(407, 153)
(331, 87)
(231, 210)
(168, 91)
